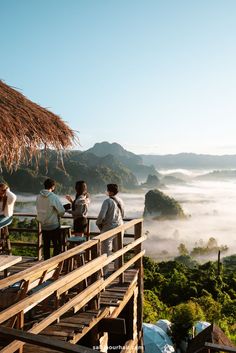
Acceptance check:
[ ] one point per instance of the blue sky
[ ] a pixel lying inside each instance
(156, 76)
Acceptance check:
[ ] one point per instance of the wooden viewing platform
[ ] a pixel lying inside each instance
(64, 304)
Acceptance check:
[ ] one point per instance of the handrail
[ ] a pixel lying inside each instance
(213, 347)
(38, 244)
(43, 341)
(30, 273)
(92, 270)
(80, 299)
(34, 215)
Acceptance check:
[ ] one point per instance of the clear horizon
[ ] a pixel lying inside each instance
(157, 77)
(160, 154)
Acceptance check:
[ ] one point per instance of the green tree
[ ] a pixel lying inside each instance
(183, 318)
(153, 307)
(211, 308)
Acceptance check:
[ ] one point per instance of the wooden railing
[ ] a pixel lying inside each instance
(212, 347)
(38, 245)
(59, 285)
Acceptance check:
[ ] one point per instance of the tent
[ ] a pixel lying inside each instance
(200, 326)
(165, 325)
(156, 340)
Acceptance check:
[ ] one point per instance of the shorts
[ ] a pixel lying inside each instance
(80, 225)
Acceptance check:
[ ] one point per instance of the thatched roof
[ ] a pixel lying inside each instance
(211, 334)
(26, 128)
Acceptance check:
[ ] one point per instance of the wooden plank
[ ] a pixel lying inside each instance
(102, 313)
(121, 288)
(58, 333)
(7, 261)
(82, 298)
(220, 347)
(72, 320)
(23, 243)
(21, 230)
(112, 295)
(138, 230)
(34, 299)
(75, 326)
(112, 325)
(30, 348)
(36, 270)
(44, 341)
(109, 302)
(117, 230)
(126, 298)
(78, 302)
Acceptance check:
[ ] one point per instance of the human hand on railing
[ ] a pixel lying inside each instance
(69, 198)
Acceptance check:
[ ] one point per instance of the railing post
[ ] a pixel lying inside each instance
(88, 230)
(94, 304)
(138, 229)
(40, 242)
(120, 261)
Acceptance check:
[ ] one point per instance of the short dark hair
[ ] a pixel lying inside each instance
(113, 188)
(49, 183)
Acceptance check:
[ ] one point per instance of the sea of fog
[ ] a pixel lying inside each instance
(210, 206)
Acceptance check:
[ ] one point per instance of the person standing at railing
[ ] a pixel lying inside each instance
(79, 208)
(110, 216)
(7, 201)
(49, 210)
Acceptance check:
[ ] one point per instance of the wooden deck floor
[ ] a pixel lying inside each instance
(73, 327)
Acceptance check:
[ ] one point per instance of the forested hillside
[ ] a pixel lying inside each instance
(97, 171)
(185, 294)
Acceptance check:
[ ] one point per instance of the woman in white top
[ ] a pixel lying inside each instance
(7, 201)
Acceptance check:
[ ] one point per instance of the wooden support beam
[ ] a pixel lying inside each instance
(43, 341)
(130, 346)
(113, 326)
(220, 347)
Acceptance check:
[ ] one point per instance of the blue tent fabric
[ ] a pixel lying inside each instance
(156, 340)
(164, 324)
(200, 326)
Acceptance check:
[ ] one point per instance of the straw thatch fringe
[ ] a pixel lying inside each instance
(26, 128)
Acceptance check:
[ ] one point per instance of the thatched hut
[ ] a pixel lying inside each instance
(26, 128)
(211, 334)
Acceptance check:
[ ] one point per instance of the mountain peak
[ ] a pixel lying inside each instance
(102, 149)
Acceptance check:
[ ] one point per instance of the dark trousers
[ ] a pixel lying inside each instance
(54, 236)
